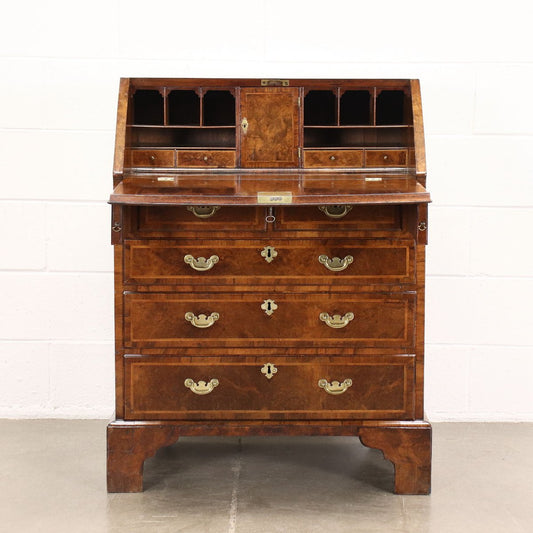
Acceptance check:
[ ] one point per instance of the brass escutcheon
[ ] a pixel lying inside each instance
(201, 264)
(201, 387)
(269, 306)
(269, 253)
(244, 125)
(335, 387)
(336, 321)
(335, 264)
(269, 370)
(201, 321)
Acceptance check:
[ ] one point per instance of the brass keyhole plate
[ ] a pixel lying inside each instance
(269, 370)
(269, 306)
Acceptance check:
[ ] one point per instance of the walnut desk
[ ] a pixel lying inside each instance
(269, 242)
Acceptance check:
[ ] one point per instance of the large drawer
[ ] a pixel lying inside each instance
(169, 388)
(252, 262)
(167, 220)
(237, 320)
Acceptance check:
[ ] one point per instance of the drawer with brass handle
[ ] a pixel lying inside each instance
(371, 220)
(257, 262)
(169, 388)
(236, 320)
(173, 221)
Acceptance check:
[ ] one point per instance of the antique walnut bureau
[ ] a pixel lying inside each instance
(269, 242)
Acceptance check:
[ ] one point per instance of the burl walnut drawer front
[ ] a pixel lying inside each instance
(339, 218)
(152, 158)
(167, 221)
(206, 158)
(386, 158)
(252, 262)
(166, 388)
(365, 320)
(333, 158)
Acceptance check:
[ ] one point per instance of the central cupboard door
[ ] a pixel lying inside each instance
(269, 127)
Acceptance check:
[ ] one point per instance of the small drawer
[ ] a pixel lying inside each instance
(166, 221)
(250, 263)
(333, 158)
(159, 388)
(152, 158)
(386, 158)
(206, 158)
(269, 319)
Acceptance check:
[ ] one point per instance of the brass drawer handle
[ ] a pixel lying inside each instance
(201, 321)
(201, 264)
(335, 264)
(335, 211)
(335, 387)
(203, 211)
(201, 387)
(336, 321)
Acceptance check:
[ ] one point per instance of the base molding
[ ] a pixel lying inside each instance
(407, 444)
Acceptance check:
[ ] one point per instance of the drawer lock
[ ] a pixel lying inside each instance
(269, 306)
(269, 253)
(335, 387)
(269, 370)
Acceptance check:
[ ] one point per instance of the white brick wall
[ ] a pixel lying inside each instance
(60, 62)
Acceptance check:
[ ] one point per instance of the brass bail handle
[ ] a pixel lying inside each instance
(202, 387)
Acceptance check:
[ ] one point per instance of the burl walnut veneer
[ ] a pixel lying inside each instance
(269, 266)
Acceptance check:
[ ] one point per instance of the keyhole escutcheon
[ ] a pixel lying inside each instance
(269, 306)
(269, 370)
(269, 253)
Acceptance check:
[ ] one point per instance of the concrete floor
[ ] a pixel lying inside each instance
(53, 480)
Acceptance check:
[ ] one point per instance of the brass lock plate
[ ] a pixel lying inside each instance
(269, 306)
(269, 370)
(274, 83)
(274, 197)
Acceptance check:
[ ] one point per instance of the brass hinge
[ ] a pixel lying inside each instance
(299, 152)
(299, 102)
